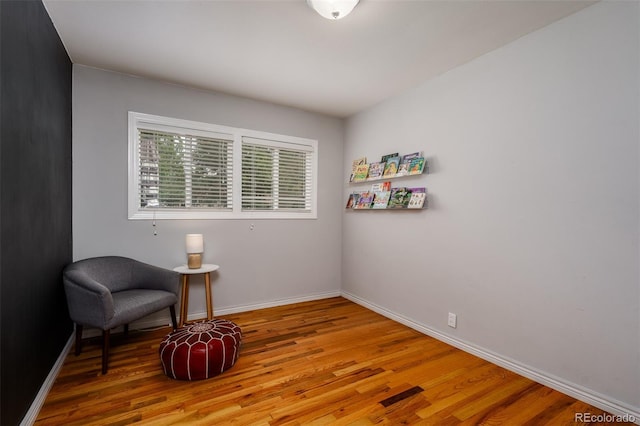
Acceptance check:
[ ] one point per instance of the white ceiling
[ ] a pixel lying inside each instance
(283, 52)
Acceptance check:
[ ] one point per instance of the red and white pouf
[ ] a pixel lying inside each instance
(201, 350)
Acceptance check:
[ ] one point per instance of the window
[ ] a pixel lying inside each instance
(276, 176)
(184, 171)
(181, 169)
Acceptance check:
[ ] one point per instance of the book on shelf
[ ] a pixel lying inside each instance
(399, 198)
(416, 166)
(375, 170)
(408, 157)
(381, 199)
(417, 199)
(364, 201)
(403, 169)
(391, 166)
(352, 200)
(386, 157)
(362, 170)
(382, 186)
(357, 162)
(405, 163)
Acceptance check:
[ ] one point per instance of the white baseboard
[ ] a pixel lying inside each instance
(193, 316)
(32, 414)
(609, 405)
(272, 303)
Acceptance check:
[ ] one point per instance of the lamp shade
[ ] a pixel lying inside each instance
(195, 243)
(333, 9)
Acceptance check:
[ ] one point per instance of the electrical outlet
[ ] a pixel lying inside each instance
(453, 320)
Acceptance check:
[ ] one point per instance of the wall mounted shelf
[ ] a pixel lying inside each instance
(381, 196)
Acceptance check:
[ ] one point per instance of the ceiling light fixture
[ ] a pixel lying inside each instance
(333, 9)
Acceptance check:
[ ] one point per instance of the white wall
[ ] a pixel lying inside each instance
(280, 260)
(531, 235)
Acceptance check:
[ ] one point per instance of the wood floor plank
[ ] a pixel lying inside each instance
(323, 362)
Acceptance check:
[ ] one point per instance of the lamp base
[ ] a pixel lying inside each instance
(194, 260)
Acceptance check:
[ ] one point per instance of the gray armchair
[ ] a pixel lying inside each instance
(106, 292)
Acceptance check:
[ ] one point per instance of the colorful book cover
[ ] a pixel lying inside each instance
(357, 162)
(399, 198)
(353, 198)
(375, 170)
(365, 201)
(417, 166)
(407, 197)
(408, 157)
(382, 186)
(417, 199)
(403, 169)
(391, 167)
(386, 157)
(381, 199)
(362, 170)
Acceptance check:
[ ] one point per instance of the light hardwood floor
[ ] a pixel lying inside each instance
(323, 362)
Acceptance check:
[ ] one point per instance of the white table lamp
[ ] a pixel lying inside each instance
(195, 248)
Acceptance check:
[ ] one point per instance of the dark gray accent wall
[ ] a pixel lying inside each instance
(35, 202)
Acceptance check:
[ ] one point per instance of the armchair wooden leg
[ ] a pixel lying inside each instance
(78, 339)
(105, 350)
(172, 309)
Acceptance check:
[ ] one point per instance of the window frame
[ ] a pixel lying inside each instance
(138, 120)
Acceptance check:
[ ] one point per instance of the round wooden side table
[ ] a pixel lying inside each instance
(185, 272)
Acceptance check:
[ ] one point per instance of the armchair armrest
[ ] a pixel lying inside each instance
(90, 303)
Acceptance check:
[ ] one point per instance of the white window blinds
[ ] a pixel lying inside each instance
(276, 175)
(184, 171)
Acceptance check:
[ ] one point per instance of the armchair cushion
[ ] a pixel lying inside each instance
(130, 305)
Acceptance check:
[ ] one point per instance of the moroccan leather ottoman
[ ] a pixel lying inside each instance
(201, 350)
